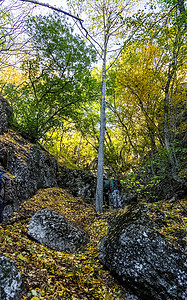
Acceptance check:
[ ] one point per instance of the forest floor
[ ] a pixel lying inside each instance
(49, 274)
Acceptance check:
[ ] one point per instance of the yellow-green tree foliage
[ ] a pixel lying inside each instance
(70, 147)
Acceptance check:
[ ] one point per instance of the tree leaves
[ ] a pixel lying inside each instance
(56, 77)
(50, 274)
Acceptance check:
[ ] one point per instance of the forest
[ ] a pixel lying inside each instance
(98, 89)
(107, 94)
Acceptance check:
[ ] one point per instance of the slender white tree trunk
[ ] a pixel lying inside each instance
(78, 152)
(99, 189)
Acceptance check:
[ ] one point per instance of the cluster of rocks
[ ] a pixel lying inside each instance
(142, 259)
(32, 168)
(29, 171)
(48, 228)
(133, 250)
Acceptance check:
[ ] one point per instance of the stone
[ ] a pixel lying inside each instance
(29, 167)
(78, 183)
(32, 168)
(8, 213)
(10, 280)
(56, 232)
(4, 112)
(142, 259)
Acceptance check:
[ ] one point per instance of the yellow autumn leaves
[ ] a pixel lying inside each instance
(49, 274)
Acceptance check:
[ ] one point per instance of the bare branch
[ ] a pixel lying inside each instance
(53, 8)
(90, 38)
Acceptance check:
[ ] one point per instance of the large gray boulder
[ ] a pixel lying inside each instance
(30, 168)
(56, 232)
(141, 257)
(36, 171)
(10, 280)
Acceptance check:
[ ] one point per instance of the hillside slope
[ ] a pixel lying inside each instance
(49, 274)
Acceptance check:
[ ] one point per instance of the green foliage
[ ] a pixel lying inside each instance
(55, 88)
(62, 50)
(70, 147)
(57, 77)
(4, 19)
(170, 3)
(151, 177)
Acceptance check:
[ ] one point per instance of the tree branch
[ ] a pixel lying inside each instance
(54, 8)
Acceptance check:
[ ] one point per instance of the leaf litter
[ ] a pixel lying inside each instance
(50, 274)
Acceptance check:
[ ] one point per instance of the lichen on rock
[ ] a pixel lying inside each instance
(141, 257)
(56, 232)
(10, 280)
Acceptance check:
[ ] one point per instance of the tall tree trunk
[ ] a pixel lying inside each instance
(167, 101)
(181, 6)
(59, 152)
(167, 129)
(78, 152)
(182, 10)
(99, 189)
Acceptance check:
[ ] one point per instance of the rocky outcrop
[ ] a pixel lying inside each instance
(29, 167)
(4, 112)
(78, 183)
(56, 232)
(10, 280)
(142, 259)
(32, 168)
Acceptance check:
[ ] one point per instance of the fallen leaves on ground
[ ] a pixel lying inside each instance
(49, 274)
(170, 218)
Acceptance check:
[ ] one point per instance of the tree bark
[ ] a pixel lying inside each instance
(167, 100)
(181, 6)
(167, 131)
(54, 8)
(100, 165)
(78, 152)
